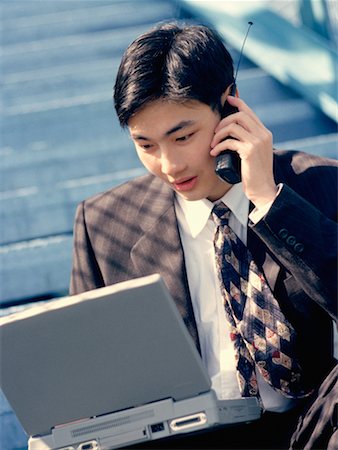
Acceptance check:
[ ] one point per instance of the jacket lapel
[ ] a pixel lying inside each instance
(159, 249)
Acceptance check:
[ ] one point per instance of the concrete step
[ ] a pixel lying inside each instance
(48, 168)
(44, 264)
(30, 8)
(56, 23)
(326, 145)
(85, 118)
(59, 51)
(23, 89)
(39, 212)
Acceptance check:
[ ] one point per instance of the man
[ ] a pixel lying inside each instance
(170, 91)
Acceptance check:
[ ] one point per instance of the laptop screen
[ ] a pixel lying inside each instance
(98, 352)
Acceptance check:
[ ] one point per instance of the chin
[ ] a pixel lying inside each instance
(191, 196)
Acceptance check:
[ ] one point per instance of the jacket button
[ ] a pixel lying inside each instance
(291, 240)
(298, 248)
(283, 233)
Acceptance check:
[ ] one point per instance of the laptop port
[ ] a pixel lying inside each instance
(157, 427)
(186, 422)
(91, 445)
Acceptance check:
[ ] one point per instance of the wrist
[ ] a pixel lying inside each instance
(258, 213)
(265, 197)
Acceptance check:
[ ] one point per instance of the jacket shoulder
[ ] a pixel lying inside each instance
(134, 188)
(300, 161)
(312, 176)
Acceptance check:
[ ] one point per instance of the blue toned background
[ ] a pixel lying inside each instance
(60, 138)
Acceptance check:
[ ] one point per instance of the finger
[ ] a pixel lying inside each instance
(243, 123)
(234, 130)
(229, 144)
(242, 107)
(245, 120)
(238, 139)
(240, 104)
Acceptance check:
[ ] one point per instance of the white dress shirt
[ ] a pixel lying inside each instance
(197, 230)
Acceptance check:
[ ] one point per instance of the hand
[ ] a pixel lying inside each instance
(253, 142)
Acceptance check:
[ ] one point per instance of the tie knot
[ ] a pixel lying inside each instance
(221, 213)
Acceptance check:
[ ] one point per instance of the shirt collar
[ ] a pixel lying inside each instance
(198, 212)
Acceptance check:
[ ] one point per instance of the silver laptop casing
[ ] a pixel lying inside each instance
(104, 355)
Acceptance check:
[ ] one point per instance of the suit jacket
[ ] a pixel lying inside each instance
(132, 231)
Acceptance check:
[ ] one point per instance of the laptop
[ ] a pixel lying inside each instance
(109, 368)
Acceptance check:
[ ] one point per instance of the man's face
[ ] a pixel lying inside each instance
(173, 142)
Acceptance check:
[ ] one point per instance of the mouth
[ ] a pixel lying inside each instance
(185, 184)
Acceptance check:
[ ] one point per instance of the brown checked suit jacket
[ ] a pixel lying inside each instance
(131, 231)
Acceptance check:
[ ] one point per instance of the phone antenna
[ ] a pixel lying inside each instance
(241, 53)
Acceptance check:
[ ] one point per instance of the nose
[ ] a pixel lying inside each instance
(172, 162)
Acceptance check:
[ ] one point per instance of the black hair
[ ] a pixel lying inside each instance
(174, 62)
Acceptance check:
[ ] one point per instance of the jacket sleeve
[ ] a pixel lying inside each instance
(85, 273)
(304, 241)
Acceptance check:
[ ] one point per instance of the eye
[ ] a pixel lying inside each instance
(184, 138)
(146, 146)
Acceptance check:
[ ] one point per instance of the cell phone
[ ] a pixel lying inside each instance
(228, 162)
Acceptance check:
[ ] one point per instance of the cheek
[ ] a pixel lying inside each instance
(150, 162)
(203, 150)
(205, 142)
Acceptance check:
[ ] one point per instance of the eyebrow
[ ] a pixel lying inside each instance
(179, 126)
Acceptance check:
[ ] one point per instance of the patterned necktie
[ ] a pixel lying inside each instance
(260, 333)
